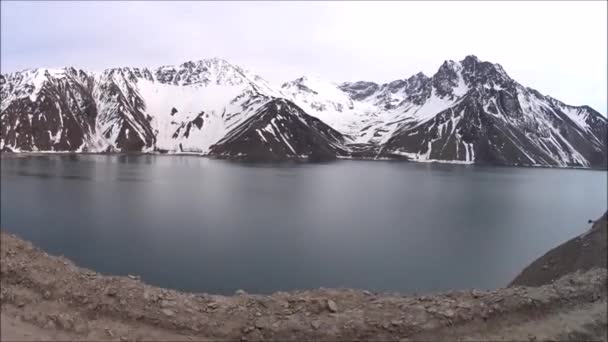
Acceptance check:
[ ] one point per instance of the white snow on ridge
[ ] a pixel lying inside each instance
(224, 95)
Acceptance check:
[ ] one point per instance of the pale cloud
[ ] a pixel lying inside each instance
(559, 48)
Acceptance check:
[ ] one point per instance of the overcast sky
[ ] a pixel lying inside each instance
(559, 48)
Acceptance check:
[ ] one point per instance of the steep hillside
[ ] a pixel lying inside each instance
(280, 130)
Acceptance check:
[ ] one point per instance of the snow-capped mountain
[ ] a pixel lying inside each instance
(469, 112)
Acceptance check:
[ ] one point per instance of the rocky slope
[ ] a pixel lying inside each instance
(281, 129)
(467, 112)
(583, 252)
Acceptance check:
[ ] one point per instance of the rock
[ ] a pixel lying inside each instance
(168, 312)
(332, 306)
(259, 324)
(448, 313)
(111, 292)
(21, 304)
(367, 293)
(64, 321)
(122, 338)
(134, 277)
(315, 324)
(213, 305)
(46, 295)
(258, 314)
(50, 324)
(396, 322)
(385, 326)
(109, 332)
(166, 303)
(240, 292)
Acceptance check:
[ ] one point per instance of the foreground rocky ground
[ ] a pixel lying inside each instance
(49, 298)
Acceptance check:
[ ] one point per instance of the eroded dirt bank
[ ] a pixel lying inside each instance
(49, 298)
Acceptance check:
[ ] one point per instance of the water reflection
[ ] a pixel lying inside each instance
(207, 225)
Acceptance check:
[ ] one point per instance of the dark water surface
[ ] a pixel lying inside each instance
(203, 225)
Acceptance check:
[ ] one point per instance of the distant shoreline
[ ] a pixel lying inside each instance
(10, 155)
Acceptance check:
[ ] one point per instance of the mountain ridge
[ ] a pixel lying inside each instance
(469, 111)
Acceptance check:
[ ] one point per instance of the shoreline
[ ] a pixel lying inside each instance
(14, 155)
(50, 295)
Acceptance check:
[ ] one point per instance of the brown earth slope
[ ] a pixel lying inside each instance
(44, 297)
(583, 252)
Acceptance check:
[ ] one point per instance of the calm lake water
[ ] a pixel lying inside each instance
(204, 225)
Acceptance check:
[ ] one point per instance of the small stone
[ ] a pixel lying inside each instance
(259, 324)
(258, 314)
(213, 305)
(50, 324)
(123, 302)
(122, 338)
(165, 303)
(332, 306)
(315, 324)
(396, 322)
(134, 277)
(46, 295)
(240, 292)
(21, 304)
(168, 312)
(111, 292)
(367, 293)
(243, 338)
(385, 326)
(545, 267)
(109, 332)
(448, 313)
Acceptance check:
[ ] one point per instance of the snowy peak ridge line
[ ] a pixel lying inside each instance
(469, 111)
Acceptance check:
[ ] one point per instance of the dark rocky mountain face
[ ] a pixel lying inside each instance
(61, 117)
(281, 130)
(501, 122)
(469, 111)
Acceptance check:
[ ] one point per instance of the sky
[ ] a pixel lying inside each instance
(559, 48)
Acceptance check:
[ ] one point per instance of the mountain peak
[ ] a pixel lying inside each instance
(471, 59)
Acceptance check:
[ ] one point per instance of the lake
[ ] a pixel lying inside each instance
(204, 225)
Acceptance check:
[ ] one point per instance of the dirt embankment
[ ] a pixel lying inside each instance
(49, 298)
(582, 253)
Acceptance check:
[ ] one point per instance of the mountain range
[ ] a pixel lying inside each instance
(469, 111)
